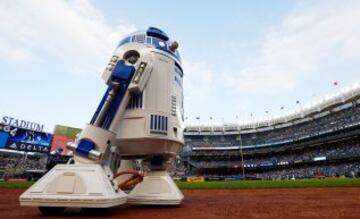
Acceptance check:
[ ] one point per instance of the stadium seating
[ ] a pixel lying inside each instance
(323, 142)
(14, 164)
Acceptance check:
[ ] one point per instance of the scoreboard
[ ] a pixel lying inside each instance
(20, 139)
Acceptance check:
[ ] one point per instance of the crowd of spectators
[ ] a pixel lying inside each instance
(21, 161)
(306, 155)
(213, 159)
(9, 160)
(330, 170)
(325, 170)
(303, 162)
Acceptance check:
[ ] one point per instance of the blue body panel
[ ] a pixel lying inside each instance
(85, 146)
(123, 72)
(115, 105)
(123, 75)
(100, 105)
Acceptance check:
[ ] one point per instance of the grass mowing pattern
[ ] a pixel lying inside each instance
(246, 184)
(253, 184)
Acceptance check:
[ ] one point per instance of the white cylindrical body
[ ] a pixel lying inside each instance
(150, 122)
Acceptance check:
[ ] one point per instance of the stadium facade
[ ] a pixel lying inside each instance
(319, 141)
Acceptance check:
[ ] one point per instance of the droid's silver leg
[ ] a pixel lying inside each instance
(78, 185)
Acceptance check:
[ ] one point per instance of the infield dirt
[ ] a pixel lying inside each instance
(241, 203)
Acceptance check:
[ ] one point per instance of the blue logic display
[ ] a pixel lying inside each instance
(27, 140)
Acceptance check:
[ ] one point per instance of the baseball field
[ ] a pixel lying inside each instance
(315, 198)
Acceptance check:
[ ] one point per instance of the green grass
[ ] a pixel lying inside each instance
(250, 184)
(247, 184)
(15, 184)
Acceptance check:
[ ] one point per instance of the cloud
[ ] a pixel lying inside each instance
(75, 32)
(198, 79)
(310, 37)
(19, 55)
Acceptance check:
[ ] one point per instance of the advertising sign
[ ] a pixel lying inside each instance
(3, 139)
(66, 131)
(195, 179)
(20, 123)
(59, 144)
(26, 140)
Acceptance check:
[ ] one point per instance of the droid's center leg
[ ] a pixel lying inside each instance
(157, 187)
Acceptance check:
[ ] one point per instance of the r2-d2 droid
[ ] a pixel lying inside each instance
(140, 117)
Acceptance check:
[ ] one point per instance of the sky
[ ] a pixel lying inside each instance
(240, 58)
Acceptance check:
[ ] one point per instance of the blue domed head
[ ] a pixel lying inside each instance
(155, 38)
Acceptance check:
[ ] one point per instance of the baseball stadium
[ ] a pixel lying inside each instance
(317, 142)
(129, 142)
(311, 154)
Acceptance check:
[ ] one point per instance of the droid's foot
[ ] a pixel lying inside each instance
(74, 186)
(157, 188)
